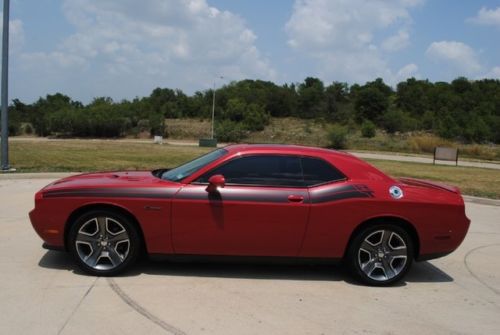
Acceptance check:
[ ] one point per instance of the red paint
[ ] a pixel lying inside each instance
(258, 221)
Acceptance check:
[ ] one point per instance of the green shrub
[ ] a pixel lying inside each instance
(28, 129)
(395, 120)
(157, 124)
(143, 125)
(368, 129)
(228, 131)
(337, 137)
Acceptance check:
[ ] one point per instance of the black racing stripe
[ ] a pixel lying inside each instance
(158, 193)
(339, 196)
(340, 193)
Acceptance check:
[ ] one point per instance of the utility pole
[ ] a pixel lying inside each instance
(213, 107)
(5, 89)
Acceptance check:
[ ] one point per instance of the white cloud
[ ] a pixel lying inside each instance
(494, 73)
(341, 35)
(407, 71)
(487, 17)
(396, 42)
(459, 55)
(16, 33)
(126, 48)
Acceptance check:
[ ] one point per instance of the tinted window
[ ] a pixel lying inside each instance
(191, 167)
(317, 171)
(260, 170)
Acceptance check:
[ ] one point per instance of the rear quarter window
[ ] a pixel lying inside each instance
(317, 171)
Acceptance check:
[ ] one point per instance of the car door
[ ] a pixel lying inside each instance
(261, 211)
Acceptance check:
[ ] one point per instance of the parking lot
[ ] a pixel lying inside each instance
(41, 292)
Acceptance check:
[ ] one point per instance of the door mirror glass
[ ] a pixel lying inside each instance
(215, 182)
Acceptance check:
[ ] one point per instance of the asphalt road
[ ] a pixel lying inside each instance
(41, 292)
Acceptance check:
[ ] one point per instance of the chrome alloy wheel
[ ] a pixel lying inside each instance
(102, 243)
(382, 255)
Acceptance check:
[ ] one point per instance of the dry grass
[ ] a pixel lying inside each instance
(427, 143)
(188, 129)
(292, 131)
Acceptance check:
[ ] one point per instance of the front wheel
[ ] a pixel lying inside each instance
(104, 243)
(381, 254)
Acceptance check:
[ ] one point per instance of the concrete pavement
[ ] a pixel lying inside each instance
(41, 292)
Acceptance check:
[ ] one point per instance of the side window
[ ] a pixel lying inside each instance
(317, 171)
(260, 170)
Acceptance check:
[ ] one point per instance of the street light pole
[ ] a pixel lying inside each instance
(213, 107)
(213, 110)
(5, 81)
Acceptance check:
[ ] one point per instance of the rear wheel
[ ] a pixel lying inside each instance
(381, 254)
(104, 243)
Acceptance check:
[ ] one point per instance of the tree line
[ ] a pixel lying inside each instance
(464, 110)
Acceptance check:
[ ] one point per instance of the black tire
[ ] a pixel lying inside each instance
(115, 244)
(376, 261)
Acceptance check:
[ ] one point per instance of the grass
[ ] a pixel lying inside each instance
(96, 155)
(99, 155)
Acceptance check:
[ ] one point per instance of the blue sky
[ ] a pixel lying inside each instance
(123, 49)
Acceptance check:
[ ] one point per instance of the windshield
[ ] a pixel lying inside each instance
(188, 169)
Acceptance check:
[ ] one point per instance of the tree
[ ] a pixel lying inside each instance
(311, 98)
(370, 104)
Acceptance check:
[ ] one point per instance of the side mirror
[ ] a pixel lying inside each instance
(215, 182)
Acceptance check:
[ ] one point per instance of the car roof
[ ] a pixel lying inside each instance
(284, 149)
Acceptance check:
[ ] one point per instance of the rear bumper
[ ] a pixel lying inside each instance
(444, 242)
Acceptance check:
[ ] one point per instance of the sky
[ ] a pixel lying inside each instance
(124, 49)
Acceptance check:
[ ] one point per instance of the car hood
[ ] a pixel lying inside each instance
(109, 179)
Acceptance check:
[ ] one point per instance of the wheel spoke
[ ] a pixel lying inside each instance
(385, 239)
(368, 267)
(388, 270)
(81, 237)
(366, 246)
(397, 253)
(123, 236)
(114, 257)
(102, 226)
(93, 258)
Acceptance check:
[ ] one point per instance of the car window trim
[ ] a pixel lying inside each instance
(194, 182)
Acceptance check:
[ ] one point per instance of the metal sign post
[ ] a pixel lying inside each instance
(5, 92)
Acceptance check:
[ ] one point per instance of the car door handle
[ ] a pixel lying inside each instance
(295, 198)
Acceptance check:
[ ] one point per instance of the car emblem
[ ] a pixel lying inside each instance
(396, 192)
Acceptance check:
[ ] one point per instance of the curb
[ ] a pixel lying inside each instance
(481, 201)
(42, 175)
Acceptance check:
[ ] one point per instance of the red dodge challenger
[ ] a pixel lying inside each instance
(280, 201)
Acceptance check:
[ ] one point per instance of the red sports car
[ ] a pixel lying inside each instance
(280, 201)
